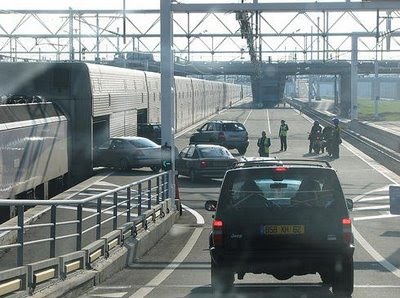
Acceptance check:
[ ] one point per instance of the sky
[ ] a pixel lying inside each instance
(114, 4)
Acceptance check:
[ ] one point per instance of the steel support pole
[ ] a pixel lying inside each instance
(71, 34)
(354, 74)
(97, 39)
(167, 91)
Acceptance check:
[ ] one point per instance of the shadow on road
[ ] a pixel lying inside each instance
(280, 290)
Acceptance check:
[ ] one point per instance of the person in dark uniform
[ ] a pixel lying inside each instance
(336, 139)
(315, 131)
(263, 144)
(283, 129)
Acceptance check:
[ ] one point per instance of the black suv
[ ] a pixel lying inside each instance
(152, 131)
(227, 133)
(284, 218)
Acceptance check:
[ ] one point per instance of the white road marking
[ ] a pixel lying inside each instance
(156, 281)
(110, 295)
(199, 218)
(248, 116)
(268, 122)
(377, 256)
(379, 198)
(372, 208)
(375, 217)
(91, 210)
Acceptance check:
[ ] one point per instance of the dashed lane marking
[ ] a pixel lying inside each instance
(380, 198)
(248, 116)
(375, 217)
(372, 208)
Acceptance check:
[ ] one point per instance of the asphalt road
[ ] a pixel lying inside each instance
(179, 265)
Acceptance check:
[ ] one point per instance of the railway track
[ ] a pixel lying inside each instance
(385, 156)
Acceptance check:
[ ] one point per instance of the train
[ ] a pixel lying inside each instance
(84, 105)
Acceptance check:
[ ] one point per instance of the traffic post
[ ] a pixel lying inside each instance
(394, 195)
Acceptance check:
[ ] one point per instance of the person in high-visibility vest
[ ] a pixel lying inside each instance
(263, 144)
(283, 129)
(336, 139)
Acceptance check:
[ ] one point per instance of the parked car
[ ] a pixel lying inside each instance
(227, 133)
(126, 153)
(208, 161)
(152, 131)
(282, 218)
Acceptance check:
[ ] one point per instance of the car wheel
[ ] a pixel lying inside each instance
(326, 277)
(221, 279)
(242, 150)
(124, 164)
(343, 282)
(155, 169)
(192, 176)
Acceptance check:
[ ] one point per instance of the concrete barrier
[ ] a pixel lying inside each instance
(378, 134)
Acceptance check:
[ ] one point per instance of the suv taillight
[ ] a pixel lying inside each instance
(218, 235)
(203, 164)
(347, 233)
(221, 136)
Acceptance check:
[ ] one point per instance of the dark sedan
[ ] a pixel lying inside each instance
(204, 161)
(126, 153)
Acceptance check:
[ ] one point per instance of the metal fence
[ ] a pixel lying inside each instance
(70, 225)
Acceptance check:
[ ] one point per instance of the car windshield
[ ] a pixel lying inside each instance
(214, 152)
(143, 143)
(233, 127)
(296, 189)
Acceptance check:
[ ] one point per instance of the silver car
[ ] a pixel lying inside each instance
(126, 153)
(227, 133)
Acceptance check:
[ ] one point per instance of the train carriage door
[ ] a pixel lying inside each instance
(142, 116)
(101, 130)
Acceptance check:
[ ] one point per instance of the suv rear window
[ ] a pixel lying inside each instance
(295, 188)
(233, 127)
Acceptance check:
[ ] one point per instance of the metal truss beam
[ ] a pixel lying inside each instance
(286, 7)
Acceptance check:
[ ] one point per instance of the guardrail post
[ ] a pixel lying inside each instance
(20, 236)
(79, 227)
(139, 212)
(98, 229)
(163, 187)
(167, 188)
(128, 204)
(158, 190)
(115, 211)
(149, 195)
(53, 218)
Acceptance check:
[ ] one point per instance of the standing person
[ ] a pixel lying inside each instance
(263, 144)
(315, 131)
(336, 139)
(283, 129)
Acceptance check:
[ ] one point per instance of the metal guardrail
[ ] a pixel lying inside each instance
(91, 222)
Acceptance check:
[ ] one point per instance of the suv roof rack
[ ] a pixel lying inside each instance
(275, 161)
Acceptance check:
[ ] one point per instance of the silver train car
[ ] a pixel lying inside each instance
(33, 156)
(98, 102)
